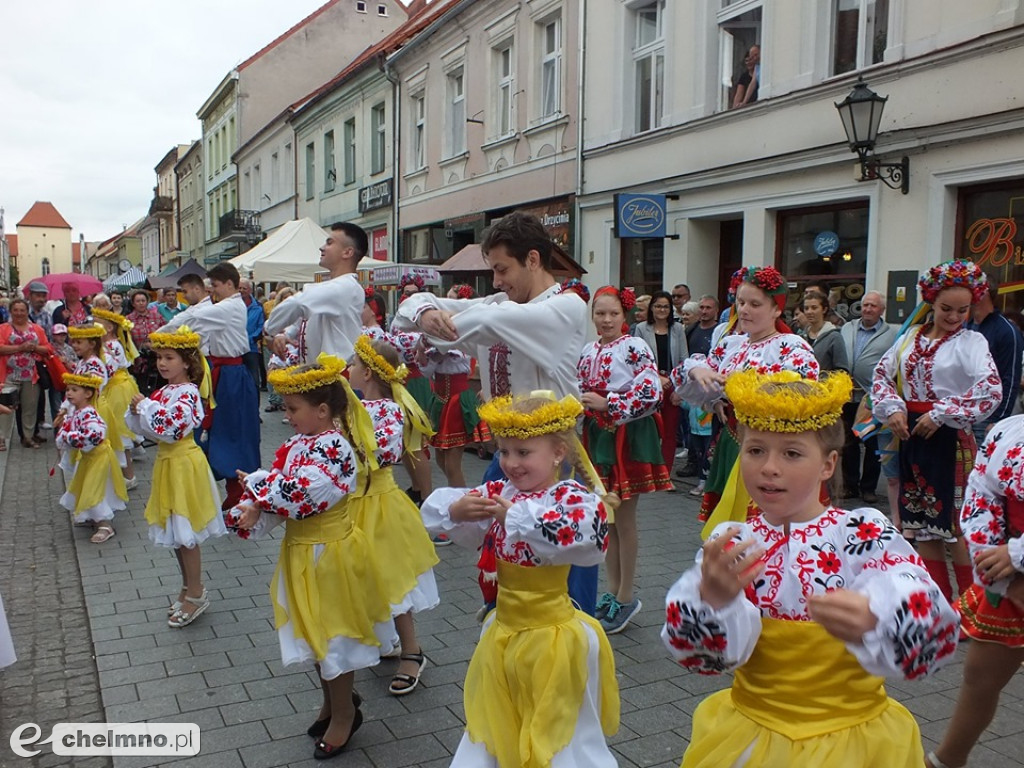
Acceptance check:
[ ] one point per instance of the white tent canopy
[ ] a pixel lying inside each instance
(291, 253)
(133, 276)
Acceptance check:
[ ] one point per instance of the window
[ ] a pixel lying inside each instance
(310, 170)
(330, 171)
(210, 157)
(378, 130)
(739, 34)
(257, 188)
(360, 6)
(990, 232)
(419, 127)
(46, 267)
(649, 65)
(860, 34)
(350, 150)
(456, 113)
(275, 176)
(551, 68)
(382, 10)
(642, 264)
(504, 78)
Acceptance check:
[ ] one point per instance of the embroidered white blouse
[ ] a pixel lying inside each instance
(116, 359)
(168, 415)
(388, 423)
(626, 372)
(325, 317)
(83, 429)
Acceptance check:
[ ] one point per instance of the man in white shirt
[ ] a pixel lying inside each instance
(527, 337)
(325, 317)
(233, 427)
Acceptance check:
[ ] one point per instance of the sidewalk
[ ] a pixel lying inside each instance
(68, 599)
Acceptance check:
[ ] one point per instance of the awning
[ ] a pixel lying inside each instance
(132, 277)
(170, 279)
(395, 274)
(469, 259)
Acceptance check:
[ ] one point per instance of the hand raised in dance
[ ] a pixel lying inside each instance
(247, 516)
(709, 380)
(439, 324)
(594, 402)
(241, 475)
(501, 508)
(280, 346)
(994, 563)
(897, 424)
(134, 402)
(845, 614)
(472, 507)
(728, 567)
(925, 427)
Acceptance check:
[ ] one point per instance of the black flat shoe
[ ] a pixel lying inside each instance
(319, 728)
(325, 751)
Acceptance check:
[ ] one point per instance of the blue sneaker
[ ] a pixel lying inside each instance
(603, 605)
(619, 614)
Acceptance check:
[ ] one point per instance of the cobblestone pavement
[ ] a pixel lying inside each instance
(89, 625)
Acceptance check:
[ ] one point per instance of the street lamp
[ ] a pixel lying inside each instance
(861, 113)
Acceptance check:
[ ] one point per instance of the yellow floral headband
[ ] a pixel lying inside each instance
(291, 380)
(376, 362)
(80, 380)
(787, 402)
(183, 338)
(506, 420)
(117, 319)
(88, 331)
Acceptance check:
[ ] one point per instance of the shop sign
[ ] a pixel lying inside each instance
(640, 216)
(826, 243)
(377, 195)
(393, 275)
(992, 242)
(379, 244)
(556, 217)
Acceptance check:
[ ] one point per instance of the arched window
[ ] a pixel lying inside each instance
(46, 267)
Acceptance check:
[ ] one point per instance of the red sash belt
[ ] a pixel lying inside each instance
(414, 371)
(919, 406)
(448, 384)
(216, 363)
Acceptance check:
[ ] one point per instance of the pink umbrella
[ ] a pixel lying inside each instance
(87, 284)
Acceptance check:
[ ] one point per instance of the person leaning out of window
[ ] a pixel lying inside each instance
(824, 337)
(667, 339)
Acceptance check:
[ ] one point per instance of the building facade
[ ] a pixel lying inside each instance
(44, 243)
(191, 194)
(165, 206)
(486, 123)
(772, 181)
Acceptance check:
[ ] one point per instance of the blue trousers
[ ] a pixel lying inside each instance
(582, 579)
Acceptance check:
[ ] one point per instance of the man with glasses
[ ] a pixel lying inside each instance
(680, 295)
(325, 317)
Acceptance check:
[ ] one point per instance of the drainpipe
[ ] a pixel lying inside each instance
(581, 88)
(396, 134)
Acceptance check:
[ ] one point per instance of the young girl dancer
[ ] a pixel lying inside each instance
(329, 606)
(541, 688)
(119, 353)
(810, 604)
(384, 512)
(933, 384)
(992, 609)
(96, 489)
(184, 505)
(764, 343)
(622, 393)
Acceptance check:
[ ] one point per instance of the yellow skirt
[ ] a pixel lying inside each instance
(89, 484)
(401, 548)
(183, 485)
(329, 588)
(120, 390)
(528, 676)
(803, 700)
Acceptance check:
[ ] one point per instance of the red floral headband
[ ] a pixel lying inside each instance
(412, 280)
(768, 279)
(463, 291)
(626, 296)
(958, 273)
(575, 286)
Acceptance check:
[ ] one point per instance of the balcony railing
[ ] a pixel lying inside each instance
(161, 204)
(240, 226)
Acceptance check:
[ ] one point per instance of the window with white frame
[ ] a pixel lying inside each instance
(456, 112)
(330, 168)
(275, 176)
(860, 34)
(551, 67)
(649, 65)
(350, 151)
(504, 75)
(739, 34)
(310, 170)
(378, 136)
(418, 134)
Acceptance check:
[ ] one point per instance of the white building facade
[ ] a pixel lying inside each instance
(773, 181)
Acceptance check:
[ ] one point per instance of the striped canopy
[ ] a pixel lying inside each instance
(132, 277)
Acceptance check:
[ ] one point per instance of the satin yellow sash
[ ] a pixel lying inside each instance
(382, 480)
(333, 525)
(802, 682)
(417, 430)
(92, 470)
(527, 679)
(120, 375)
(733, 505)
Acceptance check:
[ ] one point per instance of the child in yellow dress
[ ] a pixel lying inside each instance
(541, 688)
(119, 353)
(810, 604)
(184, 505)
(386, 514)
(329, 606)
(96, 489)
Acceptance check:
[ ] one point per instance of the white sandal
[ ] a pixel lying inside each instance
(175, 606)
(181, 619)
(936, 763)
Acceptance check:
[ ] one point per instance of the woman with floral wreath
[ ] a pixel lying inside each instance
(622, 434)
(934, 383)
(764, 343)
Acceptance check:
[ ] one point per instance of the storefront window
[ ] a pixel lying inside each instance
(990, 232)
(643, 264)
(826, 244)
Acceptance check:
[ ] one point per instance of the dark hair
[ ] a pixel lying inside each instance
(356, 234)
(191, 280)
(993, 289)
(376, 303)
(825, 287)
(136, 293)
(520, 233)
(650, 306)
(192, 359)
(116, 292)
(224, 272)
(95, 341)
(821, 298)
(18, 300)
(331, 395)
